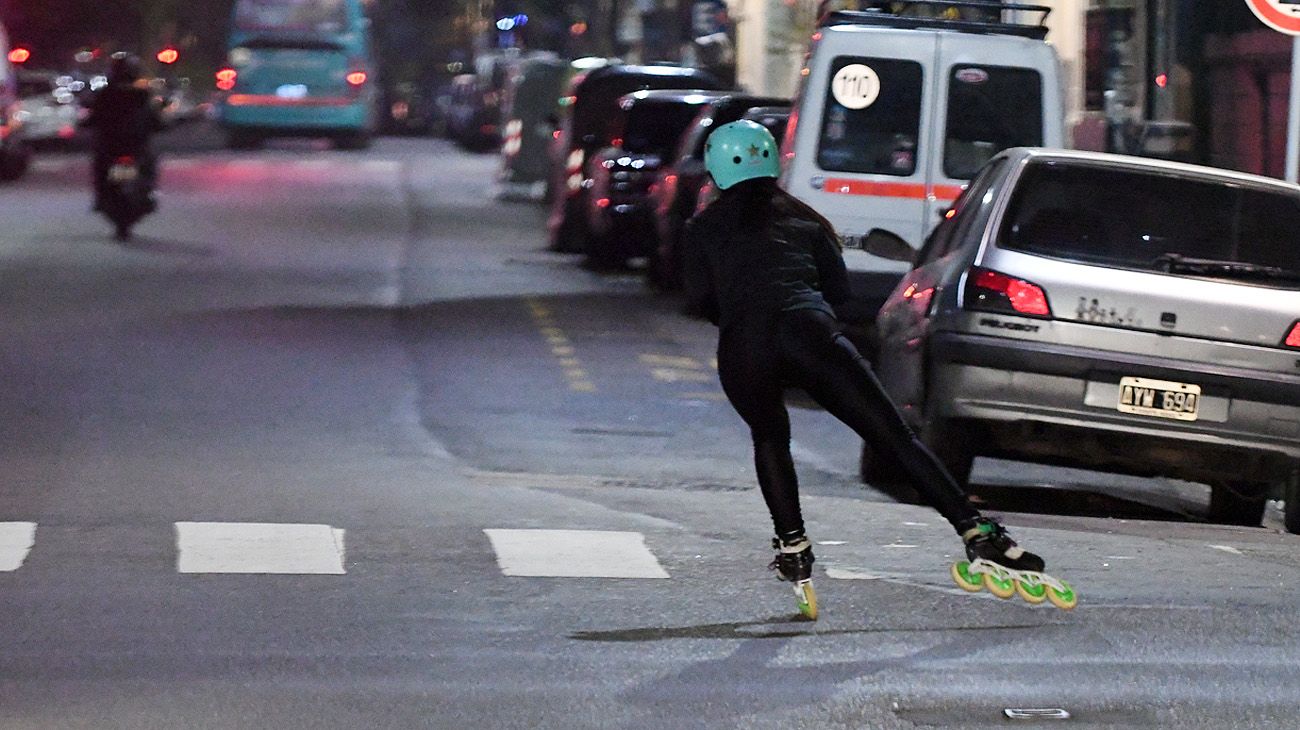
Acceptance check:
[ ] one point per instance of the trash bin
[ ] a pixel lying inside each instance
(1169, 141)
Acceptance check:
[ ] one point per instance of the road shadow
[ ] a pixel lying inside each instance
(1069, 497)
(149, 244)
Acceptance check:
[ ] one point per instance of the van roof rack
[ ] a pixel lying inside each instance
(1037, 31)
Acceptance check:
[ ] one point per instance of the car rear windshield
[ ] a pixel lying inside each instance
(596, 113)
(873, 117)
(1155, 221)
(990, 108)
(654, 129)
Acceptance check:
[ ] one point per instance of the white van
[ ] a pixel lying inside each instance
(896, 113)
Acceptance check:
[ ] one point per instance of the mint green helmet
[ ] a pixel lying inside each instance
(741, 151)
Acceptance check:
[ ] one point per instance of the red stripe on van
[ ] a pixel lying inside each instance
(845, 186)
(914, 191)
(948, 192)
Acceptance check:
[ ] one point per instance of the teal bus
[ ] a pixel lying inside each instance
(298, 68)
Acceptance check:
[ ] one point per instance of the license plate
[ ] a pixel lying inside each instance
(123, 173)
(1159, 398)
(292, 91)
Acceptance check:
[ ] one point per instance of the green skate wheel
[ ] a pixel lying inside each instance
(806, 597)
(1000, 587)
(964, 579)
(1064, 600)
(1033, 592)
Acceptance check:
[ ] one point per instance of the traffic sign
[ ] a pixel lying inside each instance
(1280, 15)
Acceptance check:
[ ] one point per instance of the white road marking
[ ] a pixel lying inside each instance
(841, 574)
(16, 540)
(831, 542)
(917, 524)
(574, 554)
(1228, 549)
(262, 548)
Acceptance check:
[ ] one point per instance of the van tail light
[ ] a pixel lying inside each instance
(1293, 337)
(991, 291)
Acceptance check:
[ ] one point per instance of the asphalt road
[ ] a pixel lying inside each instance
(335, 442)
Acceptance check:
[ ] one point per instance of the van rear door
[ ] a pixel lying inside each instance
(861, 140)
(994, 93)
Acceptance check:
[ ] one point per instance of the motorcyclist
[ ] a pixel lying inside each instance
(124, 117)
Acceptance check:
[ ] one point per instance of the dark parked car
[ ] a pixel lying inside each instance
(677, 184)
(620, 211)
(587, 125)
(474, 114)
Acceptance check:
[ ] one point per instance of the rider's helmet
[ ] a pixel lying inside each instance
(740, 151)
(125, 68)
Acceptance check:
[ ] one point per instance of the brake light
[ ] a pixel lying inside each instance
(1293, 339)
(226, 78)
(357, 78)
(996, 292)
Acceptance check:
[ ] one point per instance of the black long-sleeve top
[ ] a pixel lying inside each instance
(124, 117)
(747, 258)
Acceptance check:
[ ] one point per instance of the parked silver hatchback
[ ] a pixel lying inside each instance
(1110, 313)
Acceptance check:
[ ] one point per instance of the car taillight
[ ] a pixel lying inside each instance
(226, 79)
(357, 78)
(992, 291)
(1293, 338)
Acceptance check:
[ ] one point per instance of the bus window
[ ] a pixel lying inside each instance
(327, 16)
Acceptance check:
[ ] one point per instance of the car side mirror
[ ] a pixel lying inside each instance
(884, 244)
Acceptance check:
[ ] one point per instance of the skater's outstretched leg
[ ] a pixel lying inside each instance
(822, 361)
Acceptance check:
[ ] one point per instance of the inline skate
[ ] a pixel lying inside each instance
(1000, 566)
(793, 563)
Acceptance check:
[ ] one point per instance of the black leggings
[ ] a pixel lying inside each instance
(806, 349)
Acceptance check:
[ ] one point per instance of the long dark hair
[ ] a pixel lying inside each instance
(760, 200)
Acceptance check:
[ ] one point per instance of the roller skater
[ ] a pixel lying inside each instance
(767, 269)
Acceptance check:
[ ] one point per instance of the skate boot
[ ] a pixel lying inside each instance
(997, 564)
(794, 560)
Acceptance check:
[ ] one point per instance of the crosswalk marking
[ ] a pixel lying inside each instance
(574, 554)
(264, 548)
(16, 540)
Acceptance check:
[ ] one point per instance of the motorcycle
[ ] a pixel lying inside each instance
(128, 196)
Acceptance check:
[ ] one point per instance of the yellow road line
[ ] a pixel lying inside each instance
(561, 348)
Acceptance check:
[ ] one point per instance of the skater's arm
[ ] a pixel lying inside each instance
(831, 272)
(697, 276)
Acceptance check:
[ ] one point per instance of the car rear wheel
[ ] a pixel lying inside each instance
(241, 140)
(886, 475)
(353, 141)
(1291, 495)
(1237, 503)
(952, 443)
(570, 234)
